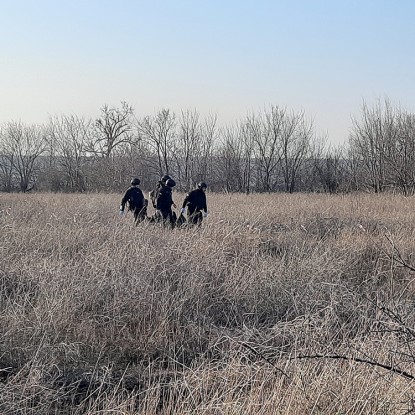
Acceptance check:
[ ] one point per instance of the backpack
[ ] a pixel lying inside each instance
(161, 198)
(153, 197)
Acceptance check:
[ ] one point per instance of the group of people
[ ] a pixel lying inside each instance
(162, 200)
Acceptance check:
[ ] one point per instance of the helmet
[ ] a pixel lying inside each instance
(135, 182)
(165, 178)
(202, 185)
(170, 182)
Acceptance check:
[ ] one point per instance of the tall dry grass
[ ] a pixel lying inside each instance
(278, 304)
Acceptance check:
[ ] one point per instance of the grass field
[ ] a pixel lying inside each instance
(278, 304)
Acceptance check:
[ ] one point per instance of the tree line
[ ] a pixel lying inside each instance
(275, 149)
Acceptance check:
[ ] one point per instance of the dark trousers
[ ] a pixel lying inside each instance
(140, 214)
(195, 218)
(168, 217)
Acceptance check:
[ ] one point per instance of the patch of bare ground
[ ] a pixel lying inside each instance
(278, 304)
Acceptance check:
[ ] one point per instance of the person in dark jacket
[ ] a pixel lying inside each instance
(195, 202)
(162, 200)
(153, 194)
(136, 201)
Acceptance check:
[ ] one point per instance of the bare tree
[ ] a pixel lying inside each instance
(330, 168)
(22, 147)
(6, 165)
(187, 146)
(196, 154)
(158, 132)
(400, 153)
(6, 173)
(70, 135)
(136, 161)
(112, 129)
(369, 140)
(229, 160)
(246, 155)
(295, 136)
(204, 154)
(265, 131)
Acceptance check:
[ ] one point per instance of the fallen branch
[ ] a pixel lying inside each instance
(392, 369)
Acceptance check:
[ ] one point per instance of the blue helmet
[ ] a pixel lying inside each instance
(170, 182)
(164, 178)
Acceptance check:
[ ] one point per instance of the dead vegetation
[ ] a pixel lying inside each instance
(279, 304)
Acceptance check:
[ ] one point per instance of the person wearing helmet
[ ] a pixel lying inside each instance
(165, 178)
(154, 192)
(162, 200)
(195, 202)
(136, 201)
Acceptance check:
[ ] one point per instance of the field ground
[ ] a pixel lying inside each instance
(278, 304)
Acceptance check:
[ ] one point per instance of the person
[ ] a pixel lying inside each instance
(154, 192)
(195, 202)
(136, 201)
(162, 200)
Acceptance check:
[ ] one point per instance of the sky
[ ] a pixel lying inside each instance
(224, 57)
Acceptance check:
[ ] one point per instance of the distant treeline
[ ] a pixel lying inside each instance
(273, 150)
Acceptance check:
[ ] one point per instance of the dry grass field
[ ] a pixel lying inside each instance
(278, 304)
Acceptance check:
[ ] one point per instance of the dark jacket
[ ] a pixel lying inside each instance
(135, 199)
(195, 201)
(164, 198)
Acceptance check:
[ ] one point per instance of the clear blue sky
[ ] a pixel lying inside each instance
(228, 57)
